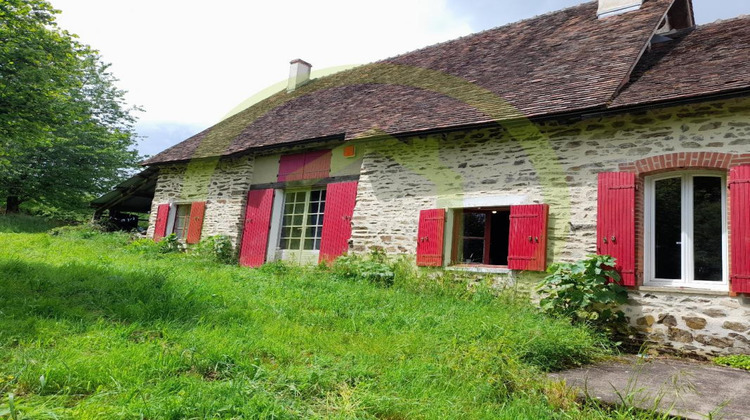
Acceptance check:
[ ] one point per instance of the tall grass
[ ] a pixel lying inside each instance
(92, 328)
(21, 223)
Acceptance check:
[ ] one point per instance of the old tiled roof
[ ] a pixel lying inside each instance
(561, 62)
(711, 59)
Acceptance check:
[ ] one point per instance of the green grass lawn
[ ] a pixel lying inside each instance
(93, 328)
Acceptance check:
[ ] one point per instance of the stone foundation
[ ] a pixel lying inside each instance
(699, 323)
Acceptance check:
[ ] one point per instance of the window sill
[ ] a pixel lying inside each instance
(480, 268)
(683, 290)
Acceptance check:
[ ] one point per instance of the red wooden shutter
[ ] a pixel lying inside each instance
(739, 190)
(291, 167)
(195, 226)
(317, 164)
(615, 224)
(160, 226)
(527, 241)
(337, 226)
(299, 166)
(257, 224)
(430, 238)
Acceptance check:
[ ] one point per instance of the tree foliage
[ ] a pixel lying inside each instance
(66, 133)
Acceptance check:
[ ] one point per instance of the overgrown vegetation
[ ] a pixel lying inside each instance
(739, 361)
(586, 292)
(96, 326)
(21, 223)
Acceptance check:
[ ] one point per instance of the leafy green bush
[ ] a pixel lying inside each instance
(144, 246)
(276, 268)
(170, 244)
(586, 292)
(374, 268)
(147, 246)
(216, 248)
(739, 361)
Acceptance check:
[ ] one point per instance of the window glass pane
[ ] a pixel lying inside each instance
(707, 226)
(474, 224)
(181, 221)
(668, 228)
(473, 251)
(302, 220)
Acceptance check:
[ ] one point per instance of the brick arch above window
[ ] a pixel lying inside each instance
(685, 160)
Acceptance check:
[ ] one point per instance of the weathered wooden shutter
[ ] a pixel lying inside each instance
(195, 225)
(317, 164)
(160, 226)
(739, 197)
(300, 166)
(291, 167)
(615, 224)
(430, 238)
(337, 226)
(257, 225)
(527, 240)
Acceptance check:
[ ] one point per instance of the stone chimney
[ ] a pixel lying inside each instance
(609, 8)
(299, 74)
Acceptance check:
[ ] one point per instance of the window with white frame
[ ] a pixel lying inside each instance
(686, 230)
(302, 222)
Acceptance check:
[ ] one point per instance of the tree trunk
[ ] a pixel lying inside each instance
(12, 202)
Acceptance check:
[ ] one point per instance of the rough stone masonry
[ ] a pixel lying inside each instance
(551, 162)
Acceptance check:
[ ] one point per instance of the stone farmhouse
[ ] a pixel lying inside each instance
(615, 127)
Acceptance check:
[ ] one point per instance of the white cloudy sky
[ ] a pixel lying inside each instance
(189, 62)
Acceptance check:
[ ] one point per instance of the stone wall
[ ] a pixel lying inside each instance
(551, 163)
(708, 324)
(554, 163)
(557, 164)
(222, 184)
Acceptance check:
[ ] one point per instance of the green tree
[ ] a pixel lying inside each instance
(66, 133)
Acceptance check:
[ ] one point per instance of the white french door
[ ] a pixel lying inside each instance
(685, 230)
